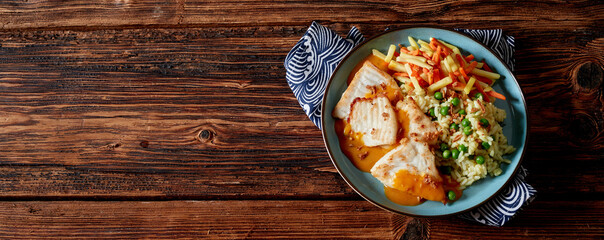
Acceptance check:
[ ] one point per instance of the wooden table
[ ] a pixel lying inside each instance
(169, 119)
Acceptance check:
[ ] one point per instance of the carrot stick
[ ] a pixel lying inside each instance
(463, 73)
(426, 55)
(446, 50)
(436, 56)
(459, 86)
(404, 50)
(452, 76)
(484, 79)
(414, 53)
(401, 74)
(486, 67)
(470, 57)
(435, 75)
(479, 88)
(415, 69)
(433, 45)
(496, 94)
(461, 61)
(430, 78)
(471, 66)
(422, 83)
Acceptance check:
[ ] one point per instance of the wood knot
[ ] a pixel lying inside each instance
(589, 75)
(583, 128)
(205, 135)
(416, 229)
(144, 144)
(113, 146)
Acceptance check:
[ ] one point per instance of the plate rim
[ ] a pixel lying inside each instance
(331, 157)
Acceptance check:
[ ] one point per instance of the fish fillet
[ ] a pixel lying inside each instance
(375, 119)
(420, 126)
(410, 167)
(367, 78)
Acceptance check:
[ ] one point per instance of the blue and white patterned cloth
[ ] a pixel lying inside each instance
(313, 59)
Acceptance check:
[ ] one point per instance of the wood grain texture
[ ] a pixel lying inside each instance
(186, 100)
(91, 116)
(197, 219)
(281, 219)
(79, 13)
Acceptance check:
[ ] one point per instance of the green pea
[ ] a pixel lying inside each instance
(484, 122)
(478, 96)
(486, 145)
(444, 146)
(462, 148)
(454, 126)
(446, 170)
(455, 153)
(466, 122)
(480, 160)
(438, 95)
(455, 101)
(446, 154)
(444, 111)
(462, 112)
(451, 195)
(467, 130)
(431, 111)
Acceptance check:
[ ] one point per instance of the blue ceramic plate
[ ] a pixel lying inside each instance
(514, 126)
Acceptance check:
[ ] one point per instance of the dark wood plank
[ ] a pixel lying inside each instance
(204, 113)
(197, 219)
(282, 219)
(543, 219)
(126, 13)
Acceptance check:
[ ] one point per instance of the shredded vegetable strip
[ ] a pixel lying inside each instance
(435, 65)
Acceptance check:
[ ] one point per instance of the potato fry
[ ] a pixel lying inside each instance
(452, 47)
(469, 85)
(402, 79)
(440, 84)
(393, 65)
(379, 54)
(452, 65)
(416, 62)
(391, 51)
(486, 74)
(408, 56)
(412, 42)
(418, 88)
(445, 68)
(426, 50)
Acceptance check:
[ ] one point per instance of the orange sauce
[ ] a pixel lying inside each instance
(422, 186)
(402, 198)
(352, 146)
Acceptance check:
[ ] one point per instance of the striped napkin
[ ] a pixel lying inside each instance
(313, 59)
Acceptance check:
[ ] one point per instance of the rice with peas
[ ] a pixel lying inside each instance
(464, 169)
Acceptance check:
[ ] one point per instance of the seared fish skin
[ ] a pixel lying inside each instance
(420, 126)
(410, 167)
(367, 78)
(375, 119)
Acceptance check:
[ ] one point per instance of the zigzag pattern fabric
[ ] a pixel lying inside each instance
(313, 59)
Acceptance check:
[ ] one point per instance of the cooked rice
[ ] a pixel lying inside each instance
(465, 170)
